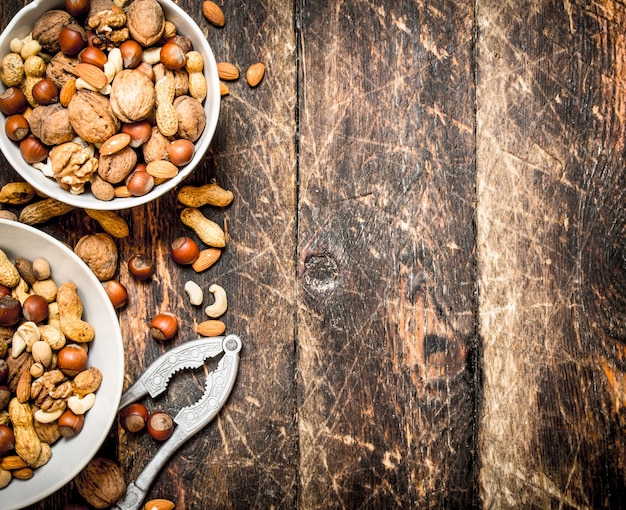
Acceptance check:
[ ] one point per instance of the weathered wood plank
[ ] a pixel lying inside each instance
(551, 234)
(386, 252)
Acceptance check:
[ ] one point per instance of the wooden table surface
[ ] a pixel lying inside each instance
(426, 260)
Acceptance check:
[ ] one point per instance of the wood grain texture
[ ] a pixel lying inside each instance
(386, 255)
(425, 260)
(551, 234)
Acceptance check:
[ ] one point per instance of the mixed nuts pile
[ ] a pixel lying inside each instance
(105, 96)
(46, 386)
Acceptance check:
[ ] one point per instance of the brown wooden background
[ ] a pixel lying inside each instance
(427, 260)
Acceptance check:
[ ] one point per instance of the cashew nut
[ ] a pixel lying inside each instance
(48, 416)
(193, 290)
(80, 405)
(219, 306)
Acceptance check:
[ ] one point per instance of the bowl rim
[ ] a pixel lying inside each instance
(114, 334)
(86, 200)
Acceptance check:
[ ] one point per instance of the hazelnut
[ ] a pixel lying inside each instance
(173, 56)
(7, 439)
(117, 293)
(164, 326)
(133, 418)
(139, 132)
(32, 150)
(94, 56)
(139, 182)
(13, 101)
(160, 425)
(184, 250)
(141, 267)
(35, 308)
(16, 127)
(10, 311)
(70, 424)
(77, 8)
(72, 40)
(131, 53)
(181, 152)
(45, 92)
(72, 359)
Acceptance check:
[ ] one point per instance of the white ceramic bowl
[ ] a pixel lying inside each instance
(21, 25)
(70, 455)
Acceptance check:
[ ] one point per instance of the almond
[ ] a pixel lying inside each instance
(213, 13)
(93, 75)
(67, 92)
(11, 462)
(255, 74)
(114, 144)
(227, 71)
(159, 504)
(162, 168)
(224, 89)
(211, 328)
(206, 259)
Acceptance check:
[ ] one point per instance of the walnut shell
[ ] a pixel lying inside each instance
(132, 95)
(61, 69)
(146, 21)
(51, 124)
(115, 167)
(156, 148)
(101, 483)
(92, 117)
(99, 252)
(191, 117)
(47, 28)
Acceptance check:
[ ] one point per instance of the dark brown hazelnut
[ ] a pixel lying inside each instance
(35, 308)
(164, 326)
(117, 293)
(32, 150)
(13, 101)
(133, 418)
(184, 250)
(72, 40)
(7, 439)
(141, 267)
(16, 127)
(160, 425)
(10, 311)
(70, 424)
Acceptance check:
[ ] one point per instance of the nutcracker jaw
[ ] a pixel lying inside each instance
(192, 418)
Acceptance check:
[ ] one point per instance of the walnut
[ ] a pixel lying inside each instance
(191, 117)
(73, 165)
(48, 27)
(132, 95)
(146, 21)
(99, 252)
(92, 117)
(101, 483)
(116, 167)
(51, 124)
(61, 69)
(156, 148)
(104, 16)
